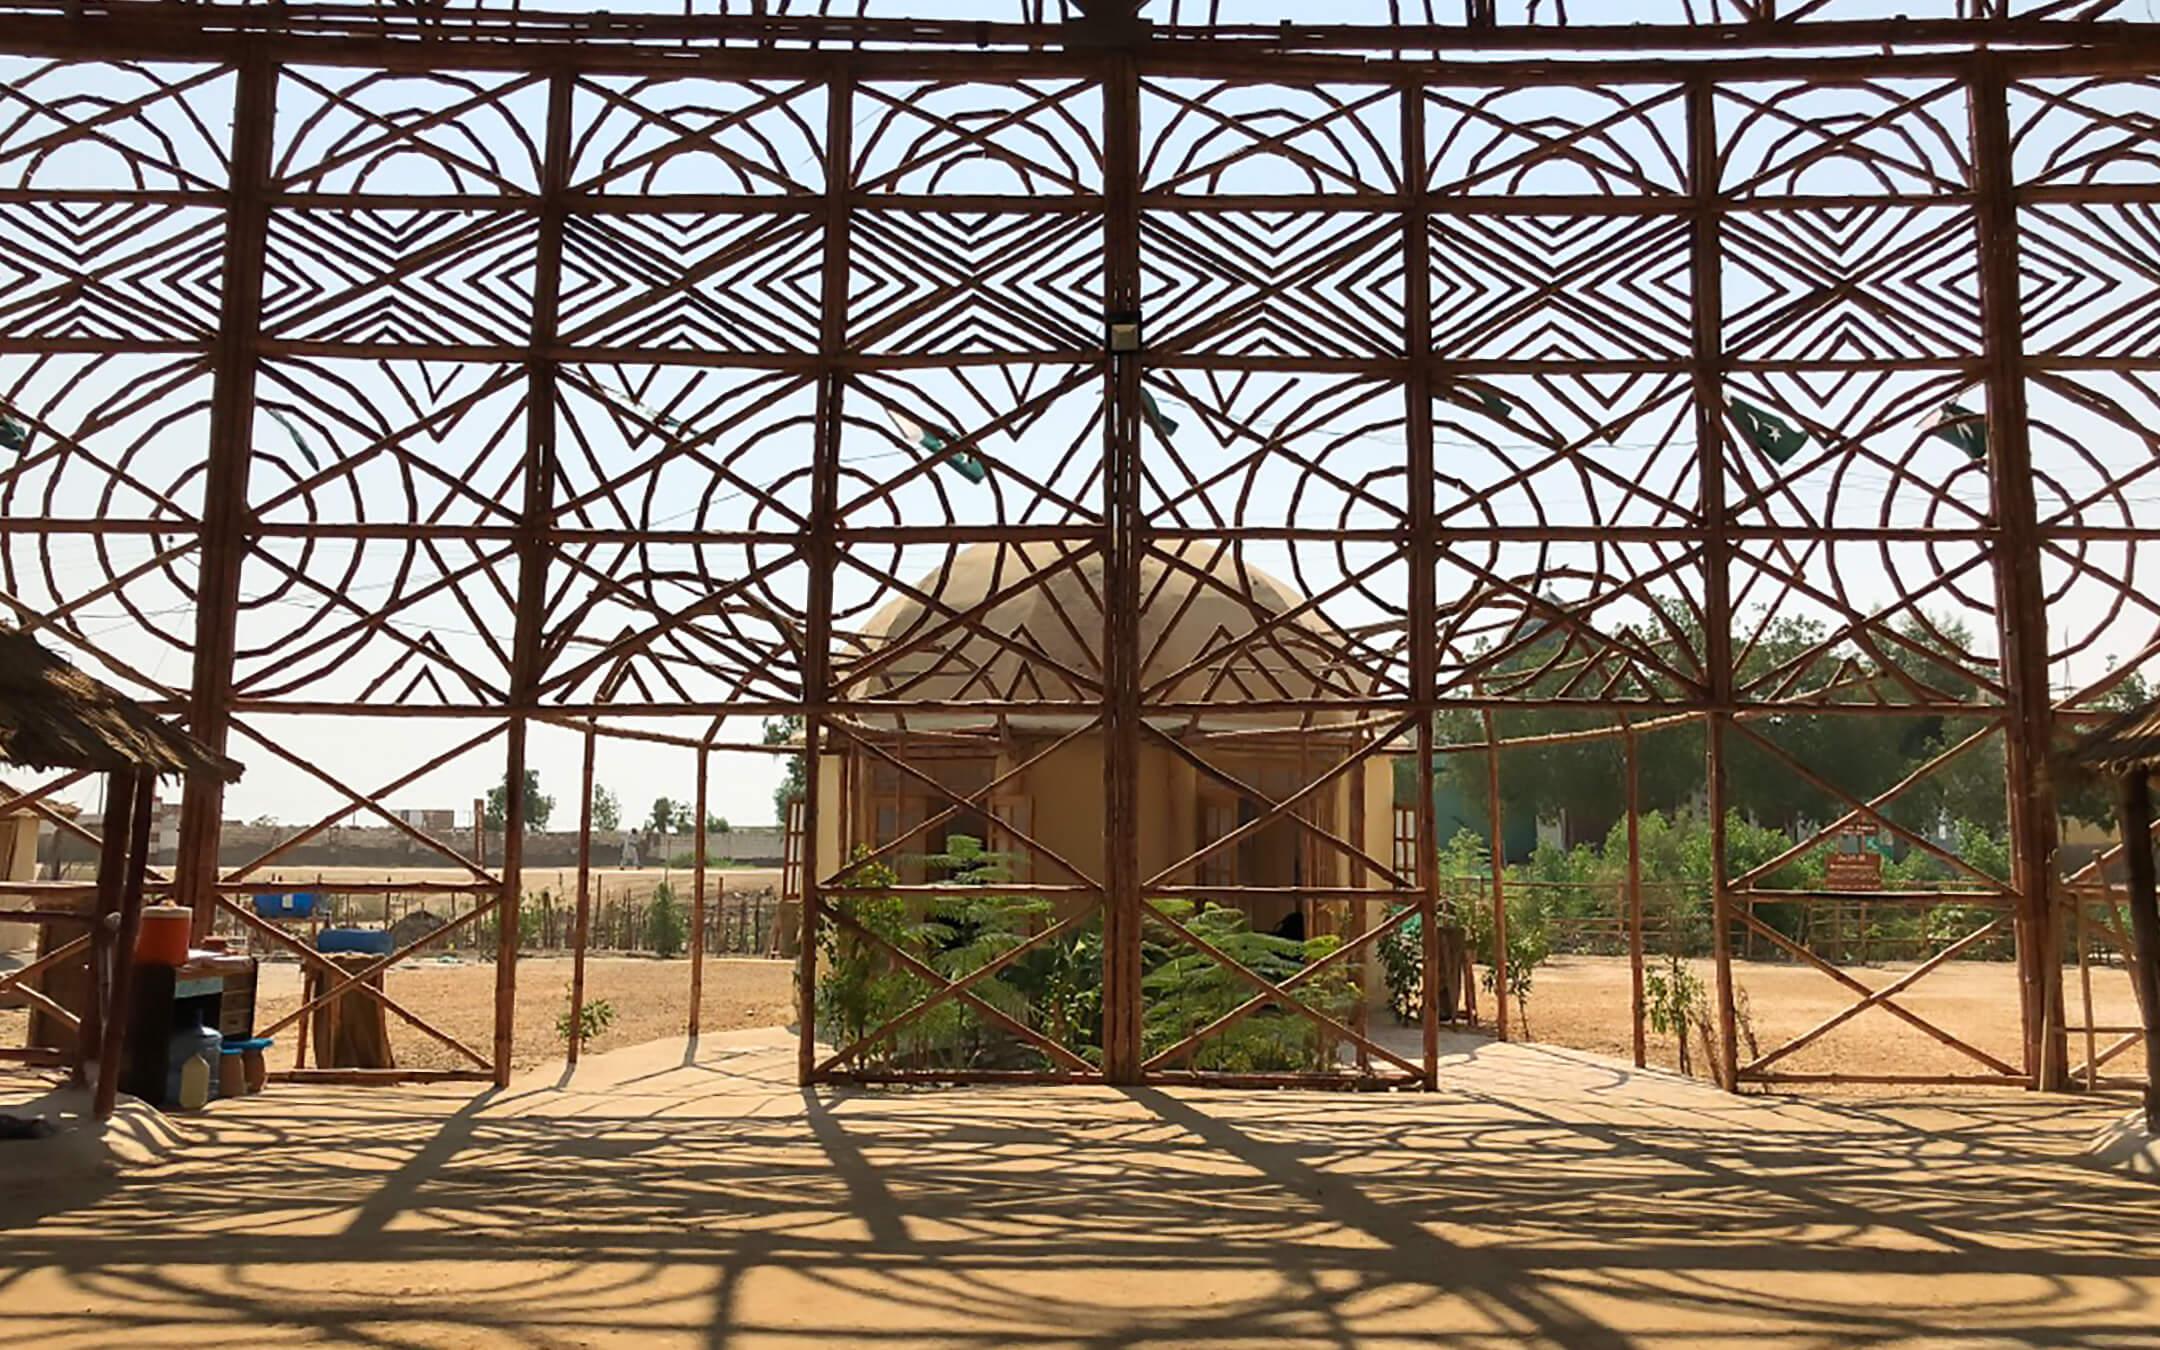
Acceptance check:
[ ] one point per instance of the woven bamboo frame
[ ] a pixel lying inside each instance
(1085, 114)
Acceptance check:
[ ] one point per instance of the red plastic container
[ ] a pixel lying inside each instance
(164, 940)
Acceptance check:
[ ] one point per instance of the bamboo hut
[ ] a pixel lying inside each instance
(54, 717)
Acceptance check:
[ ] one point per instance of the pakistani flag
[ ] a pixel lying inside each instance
(1963, 428)
(13, 434)
(294, 432)
(1164, 427)
(1479, 395)
(1778, 439)
(621, 398)
(936, 442)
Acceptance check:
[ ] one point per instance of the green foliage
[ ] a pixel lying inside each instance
(1529, 939)
(1054, 987)
(2087, 796)
(1185, 989)
(668, 816)
(1586, 780)
(955, 933)
(595, 1016)
(606, 809)
(539, 807)
(666, 931)
(1677, 1004)
(1402, 964)
(786, 731)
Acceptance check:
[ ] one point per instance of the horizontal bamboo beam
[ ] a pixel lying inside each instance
(379, 1077)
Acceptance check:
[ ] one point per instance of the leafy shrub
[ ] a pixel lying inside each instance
(1185, 990)
(665, 928)
(594, 1017)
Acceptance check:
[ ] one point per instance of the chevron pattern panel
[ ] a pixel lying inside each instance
(1266, 284)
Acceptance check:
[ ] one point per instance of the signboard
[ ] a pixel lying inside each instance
(1860, 871)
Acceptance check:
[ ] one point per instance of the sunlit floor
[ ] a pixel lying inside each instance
(660, 1198)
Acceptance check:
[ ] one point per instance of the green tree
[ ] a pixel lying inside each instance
(606, 809)
(665, 929)
(538, 805)
(786, 731)
(1930, 658)
(668, 816)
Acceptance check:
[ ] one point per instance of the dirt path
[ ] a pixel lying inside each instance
(1582, 1001)
(650, 998)
(1542, 1198)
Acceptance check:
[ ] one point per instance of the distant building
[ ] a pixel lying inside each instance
(439, 819)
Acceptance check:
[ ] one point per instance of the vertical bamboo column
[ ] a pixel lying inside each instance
(225, 514)
(533, 542)
(112, 1039)
(2084, 960)
(1634, 889)
(2020, 594)
(107, 965)
(697, 899)
(1709, 377)
(2137, 820)
(581, 925)
(1496, 821)
(1360, 909)
(818, 545)
(1122, 902)
(1422, 617)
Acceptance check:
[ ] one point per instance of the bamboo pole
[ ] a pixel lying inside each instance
(1636, 1005)
(2084, 959)
(818, 548)
(1707, 273)
(1123, 544)
(697, 900)
(1496, 821)
(2020, 588)
(581, 926)
(223, 546)
(107, 964)
(2137, 823)
(1360, 919)
(112, 1045)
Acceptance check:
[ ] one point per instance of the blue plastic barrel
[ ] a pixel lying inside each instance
(367, 941)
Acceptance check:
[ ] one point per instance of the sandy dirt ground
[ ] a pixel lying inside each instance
(662, 1199)
(650, 998)
(1576, 1001)
(1582, 1001)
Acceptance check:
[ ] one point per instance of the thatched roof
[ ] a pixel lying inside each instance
(52, 716)
(2122, 744)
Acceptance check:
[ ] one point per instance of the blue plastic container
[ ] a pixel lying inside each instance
(366, 941)
(298, 905)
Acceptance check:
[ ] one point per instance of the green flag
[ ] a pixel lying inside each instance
(13, 435)
(1164, 427)
(1479, 395)
(1963, 428)
(935, 441)
(294, 432)
(1778, 439)
(621, 398)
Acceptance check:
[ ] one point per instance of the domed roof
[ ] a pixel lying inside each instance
(1043, 601)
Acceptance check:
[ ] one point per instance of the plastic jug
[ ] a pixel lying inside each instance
(194, 1083)
(192, 1045)
(164, 937)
